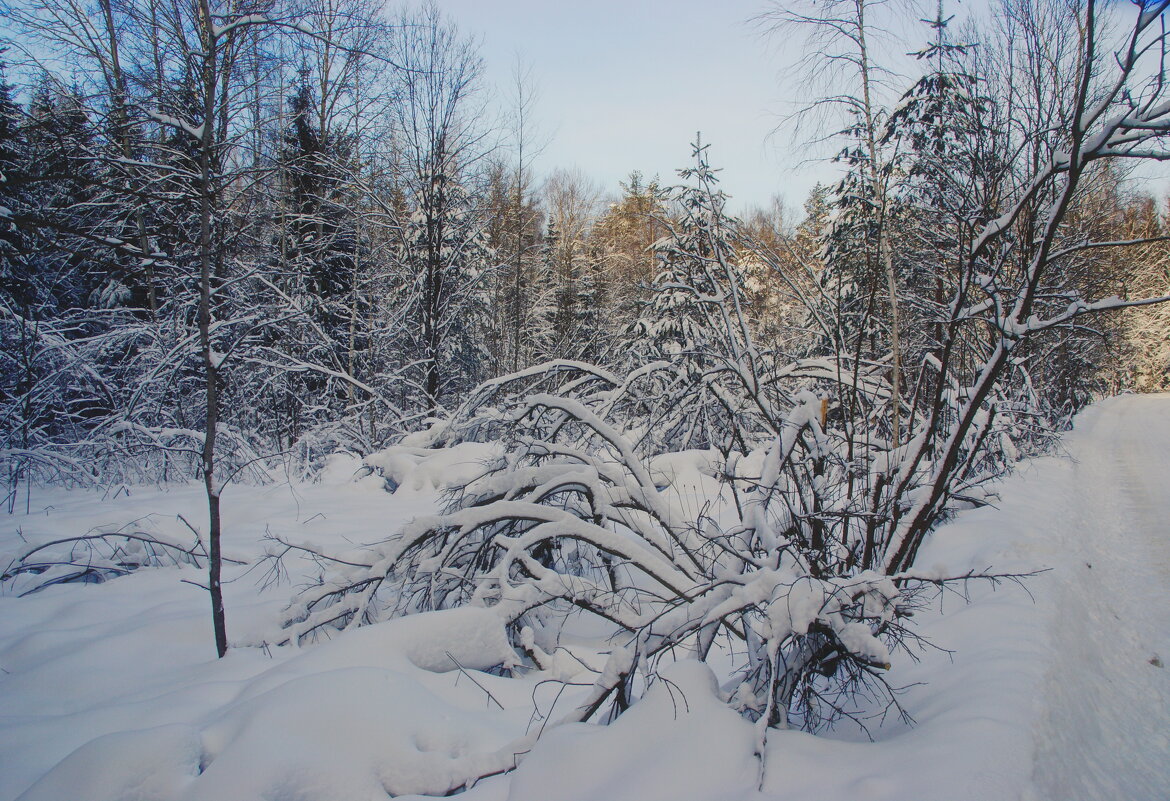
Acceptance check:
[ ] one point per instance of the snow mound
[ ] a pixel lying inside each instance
(350, 733)
(405, 467)
(145, 765)
(679, 741)
(471, 638)
(351, 718)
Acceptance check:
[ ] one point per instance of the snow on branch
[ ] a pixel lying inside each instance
(194, 131)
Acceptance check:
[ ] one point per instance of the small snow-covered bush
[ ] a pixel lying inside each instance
(93, 558)
(571, 517)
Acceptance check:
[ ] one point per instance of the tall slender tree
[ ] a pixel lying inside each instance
(443, 246)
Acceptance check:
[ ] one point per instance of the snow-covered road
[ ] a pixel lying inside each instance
(1104, 732)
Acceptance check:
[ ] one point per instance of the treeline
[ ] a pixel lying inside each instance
(292, 227)
(320, 191)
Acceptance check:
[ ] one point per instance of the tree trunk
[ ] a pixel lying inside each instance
(210, 361)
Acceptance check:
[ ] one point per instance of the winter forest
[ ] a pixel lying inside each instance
(576, 448)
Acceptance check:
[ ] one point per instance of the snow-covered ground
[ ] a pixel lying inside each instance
(1056, 691)
(1104, 729)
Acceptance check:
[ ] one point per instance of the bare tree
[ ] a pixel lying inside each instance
(442, 139)
(839, 36)
(208, 46)
(572, 207)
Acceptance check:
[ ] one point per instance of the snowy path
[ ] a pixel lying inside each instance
(1103, 730)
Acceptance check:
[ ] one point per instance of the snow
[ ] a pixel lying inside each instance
(708, 749)
(219, 31)
(1107, 698)
(416, 469)
(111, 691)
(194, 131)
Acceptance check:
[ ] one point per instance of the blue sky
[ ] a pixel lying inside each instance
(625, 85)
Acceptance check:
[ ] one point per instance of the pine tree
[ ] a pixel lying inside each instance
(696, 319)
(571, 270)
(443, 252)
(14, 182)
(315, 264)
(948, 170)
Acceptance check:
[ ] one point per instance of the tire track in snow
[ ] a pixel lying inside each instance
(1103, 732)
